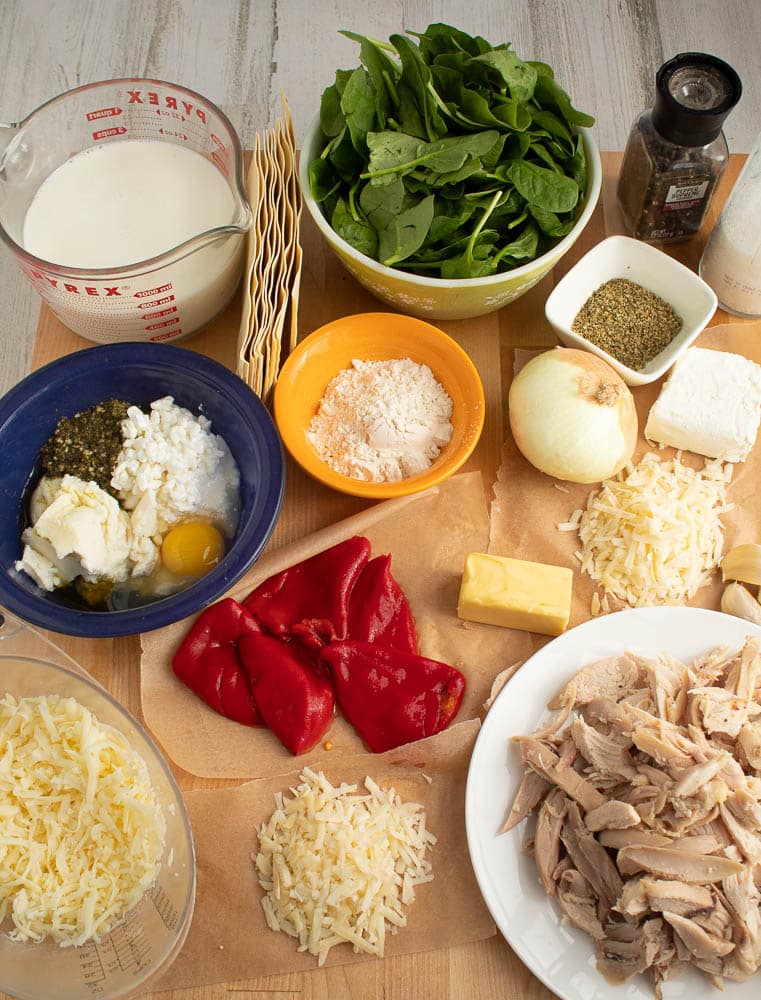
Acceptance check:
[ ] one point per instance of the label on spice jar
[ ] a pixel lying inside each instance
(674, 207)
(682, 196)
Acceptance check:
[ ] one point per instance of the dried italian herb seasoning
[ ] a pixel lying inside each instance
(628, 321)
(87, 444)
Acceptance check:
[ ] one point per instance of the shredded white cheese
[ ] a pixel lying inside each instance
(653, 534)
(338, 865)
(81, 831)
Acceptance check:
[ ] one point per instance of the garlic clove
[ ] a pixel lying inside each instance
(743, 563)
(737, 600)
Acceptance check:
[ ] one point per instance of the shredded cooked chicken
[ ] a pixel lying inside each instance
(646, 785)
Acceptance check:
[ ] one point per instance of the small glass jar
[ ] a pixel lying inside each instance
(676, 151)
(731, 261)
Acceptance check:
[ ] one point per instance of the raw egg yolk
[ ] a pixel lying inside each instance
(192, 548)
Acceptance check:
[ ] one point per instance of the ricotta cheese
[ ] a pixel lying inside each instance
(710, 404)
(339, 866)
(82, 832)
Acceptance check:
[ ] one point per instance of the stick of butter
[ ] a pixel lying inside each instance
(514, 593)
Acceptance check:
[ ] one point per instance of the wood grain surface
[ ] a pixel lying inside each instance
(242, 53)
(488, 969)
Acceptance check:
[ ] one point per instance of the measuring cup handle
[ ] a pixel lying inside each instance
(9, 625)
(7, 130)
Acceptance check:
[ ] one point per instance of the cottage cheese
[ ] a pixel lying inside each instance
(171, 465)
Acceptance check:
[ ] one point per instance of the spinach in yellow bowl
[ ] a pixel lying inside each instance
(449, 158)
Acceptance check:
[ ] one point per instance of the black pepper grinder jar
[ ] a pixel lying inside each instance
(676, 151)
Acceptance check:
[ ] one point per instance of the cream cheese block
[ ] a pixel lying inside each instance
(83, 531)
(710, 404)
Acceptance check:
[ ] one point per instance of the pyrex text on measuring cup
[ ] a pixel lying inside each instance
(124, 204)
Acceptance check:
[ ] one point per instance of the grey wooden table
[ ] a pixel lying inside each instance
(242, 53)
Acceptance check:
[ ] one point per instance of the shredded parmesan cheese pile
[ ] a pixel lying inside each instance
(337, 865)
(81, 832)
(653, 534)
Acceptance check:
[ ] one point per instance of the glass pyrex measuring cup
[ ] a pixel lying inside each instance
(162, 298)
(123, 962)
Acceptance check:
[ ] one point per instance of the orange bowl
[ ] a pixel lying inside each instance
(377, 337)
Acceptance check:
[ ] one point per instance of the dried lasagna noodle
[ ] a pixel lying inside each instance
(269, 322)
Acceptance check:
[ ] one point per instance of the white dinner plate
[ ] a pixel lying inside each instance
(558, 953)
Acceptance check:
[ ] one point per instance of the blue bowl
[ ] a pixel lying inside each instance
(138, 373)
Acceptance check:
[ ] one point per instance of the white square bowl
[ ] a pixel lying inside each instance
(621, 257)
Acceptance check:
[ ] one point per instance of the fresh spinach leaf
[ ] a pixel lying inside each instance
(323, 180)
(381, 203)
(492, 157)
(405, 232)
(393, 153)
(473, 109)
(332, 118)
(476, 261)
(539, 150)
(540, 186)
(417, 76)
(518, 76)
(549, 222)
(513, 114)
(549, 122)
(383, 72)
(549, 94)
(440, 38)
(388, 152)
(344, 157)
(448, 218)
(359, 233)
(577, 165)
(522, 248)
(358, 104)
(471, 167)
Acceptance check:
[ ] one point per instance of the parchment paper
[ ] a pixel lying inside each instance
(428, 536)
(528, 505)
(229, 939)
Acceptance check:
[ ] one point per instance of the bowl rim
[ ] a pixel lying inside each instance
(673, 351)
(492, 281)
(87, 680)
(35, 608)
(322, 472)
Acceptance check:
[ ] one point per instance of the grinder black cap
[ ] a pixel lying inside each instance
(694, 94)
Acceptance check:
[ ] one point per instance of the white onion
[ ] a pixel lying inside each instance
(572, 416)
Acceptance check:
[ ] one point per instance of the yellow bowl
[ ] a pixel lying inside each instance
(377, 337)
(442, 298)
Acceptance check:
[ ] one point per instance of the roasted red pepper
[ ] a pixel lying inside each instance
(311, 599)
(293, 693)
(392, 697)
(378, 609)
(207, 661)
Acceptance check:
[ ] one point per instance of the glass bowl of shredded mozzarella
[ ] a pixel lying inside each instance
(97, 867)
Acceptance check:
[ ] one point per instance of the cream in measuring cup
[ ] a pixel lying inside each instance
(131, 220)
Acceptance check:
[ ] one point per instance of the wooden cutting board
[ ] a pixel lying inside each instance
(488, 969)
